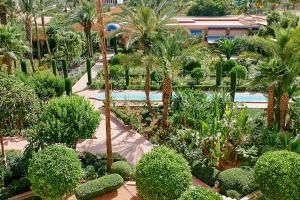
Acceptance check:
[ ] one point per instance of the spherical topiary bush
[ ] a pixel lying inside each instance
(238, 179)
(54, 172)
(162, 174)
(278, 175)
(122, 168)
(200, 193)
(205, 173)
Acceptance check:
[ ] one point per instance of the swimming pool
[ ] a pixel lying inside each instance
(157, 96)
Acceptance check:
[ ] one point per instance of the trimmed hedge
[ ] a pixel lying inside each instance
(162, 174)
(241, 180)
(206, 174)
(200, 193)
(122, 168)
(98, 187)
(278, 175)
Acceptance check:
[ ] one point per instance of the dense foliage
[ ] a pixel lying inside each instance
(162, 174)
(200, 193)
(277, 174)
(54, 172)
(210, 8)
(122, 168)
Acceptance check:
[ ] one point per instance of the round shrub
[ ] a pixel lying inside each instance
(237, 179)
(122, 168)
(200, 193)
(240, 70)
(90, 173)
(205, 173)
(54, 172)
(197, 74)
(228, 65)
(162, 174)
(66, 120)
(47, 85)
(233, 194)
(278, 175)
(115, 71)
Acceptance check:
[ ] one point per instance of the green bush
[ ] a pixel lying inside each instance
(68, 86)
(54, 172)
(66, 120)
(122, 168)
(200, 193)
(117, 59)
(192, 65)
(197, 74)
(278, 175)
(24, 67)
(47, 85)
(115, 71)
(233, 194)
(240, 70)
(238, 179)
(228, 65)
(98, 187)
(65, 68)
(54, 67)
(90, 173)
(162, 174)
(205, 173)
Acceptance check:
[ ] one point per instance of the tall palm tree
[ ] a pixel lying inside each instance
(294, 3)
(85, 16)
(107, 98)
(6, 6)
(12, 45)
(274, 3)
(170, 53)
(144, 23)
(259, 4)
(228, 47)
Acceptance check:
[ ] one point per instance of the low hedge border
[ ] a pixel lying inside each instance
(98, 187)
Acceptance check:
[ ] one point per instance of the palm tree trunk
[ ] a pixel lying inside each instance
(28, 29)
(3, 15)
(294, 6)
(167, 90)
(38, 42)
(9, 65)
(46, 37)
(284, 103)
(147, 91)
(270, 109)
(3, 151)
(107, 98)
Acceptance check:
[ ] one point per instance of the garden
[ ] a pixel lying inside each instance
(197, 130)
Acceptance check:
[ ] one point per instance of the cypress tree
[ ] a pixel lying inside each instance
(68, 86)
(218, 73)
(89, 70)
(54, 68)
(65, 68)
(24, 67)
(232, 85)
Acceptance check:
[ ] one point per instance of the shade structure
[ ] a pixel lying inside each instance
(112, 27)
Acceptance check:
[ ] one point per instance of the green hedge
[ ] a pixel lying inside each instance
(204, 173)
(200, 193)
(98, 187)
(122, 168)
(278, 175)
(241, 180)
(162, 174)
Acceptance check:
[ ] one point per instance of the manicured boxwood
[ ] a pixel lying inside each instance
(98, 187)
(278, 175)
(200, 193)
(241, 180)
(205, 173)
(233, 194)
(162, 174)
(122, 168)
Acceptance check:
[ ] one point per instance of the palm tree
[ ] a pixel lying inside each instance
(12, 45)
(107, 98)
(274, 3)
(294, 3)
(170, 53)
(85, 16)
(144, 23)
(259, 4)
(228, 47)
(6, 6)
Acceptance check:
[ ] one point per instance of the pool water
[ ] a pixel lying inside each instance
(157, 96)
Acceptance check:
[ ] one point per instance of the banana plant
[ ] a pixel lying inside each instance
(286, 141)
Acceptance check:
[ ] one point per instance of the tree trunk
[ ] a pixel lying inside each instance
(38, 42)
(46, 37)
(88, 36)
(284, 103)
(167, 91)
(3, 152)
(9, 65)
(3, 15)
(107, 98)
(28, 29)
(294, 6)
(271, 104)
(147, 91)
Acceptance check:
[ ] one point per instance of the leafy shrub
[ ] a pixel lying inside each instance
(228, 65)
(200, 193)
(68, 86)
(47, 85)
(98, 187)
(197, 74)
(233, 194)
(209, 8)
(205, 173)
(98, 161)
(117, 59)
(277, 174)
(240, 70)
(115, 71)
(122, 168)
(162, 174)
(191, 65)
(54, 171)
(237, 179)
(90, 173)
(65, 120)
